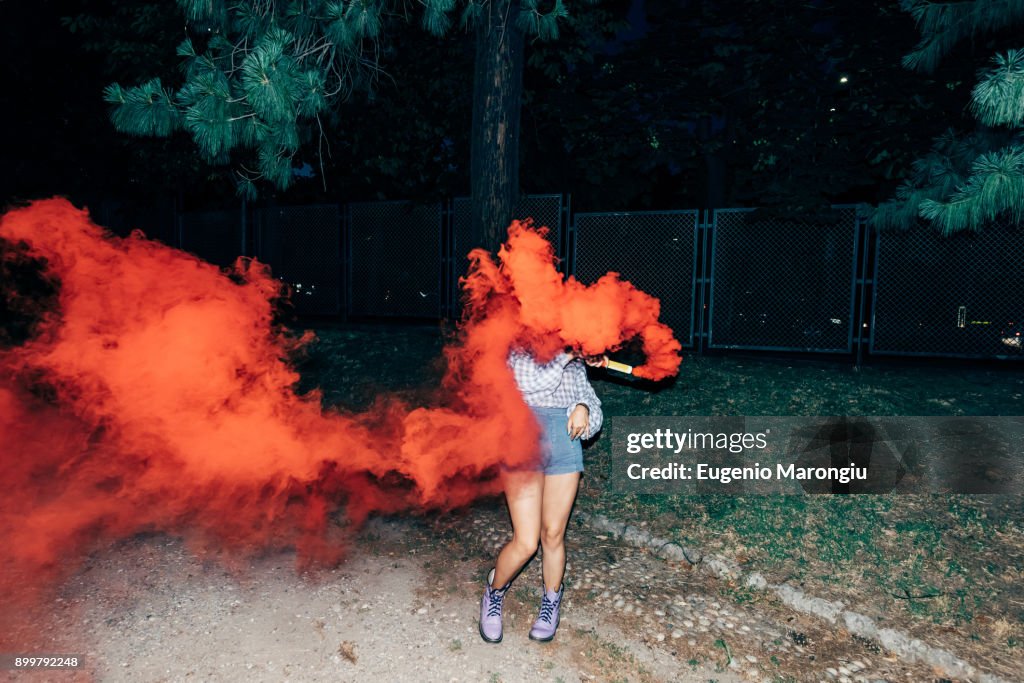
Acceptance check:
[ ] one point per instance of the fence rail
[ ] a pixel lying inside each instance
(727, 279)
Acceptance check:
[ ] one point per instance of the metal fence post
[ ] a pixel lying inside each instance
(702, 282)
(179, 220)
(865, 253)
(569, 223)
(447, 276)
(346, 250)
(244, 228)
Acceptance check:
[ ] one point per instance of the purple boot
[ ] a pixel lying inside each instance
(490, 611)
(547, 621)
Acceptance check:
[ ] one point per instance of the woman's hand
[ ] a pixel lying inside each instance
(596, 361)
(579, 420)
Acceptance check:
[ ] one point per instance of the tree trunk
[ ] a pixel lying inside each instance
(714, 165)
(497, 95)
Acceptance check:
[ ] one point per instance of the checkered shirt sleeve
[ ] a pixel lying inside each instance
(561, 383)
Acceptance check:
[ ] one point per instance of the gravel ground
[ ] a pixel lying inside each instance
(398, 609)
(698, 619)
(403, 607)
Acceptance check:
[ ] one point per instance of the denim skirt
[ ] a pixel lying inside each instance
(558, 453)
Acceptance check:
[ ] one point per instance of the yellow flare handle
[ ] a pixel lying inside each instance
(620, 367)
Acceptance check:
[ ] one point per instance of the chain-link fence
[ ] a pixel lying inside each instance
(949, 296)
(783, 284)
(214, 236)
(155, 217)
(302, 246)
(395, 252)
(544, 209)
(767, 283)
(655, 250)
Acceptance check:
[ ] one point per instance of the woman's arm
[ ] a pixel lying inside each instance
(583, 394)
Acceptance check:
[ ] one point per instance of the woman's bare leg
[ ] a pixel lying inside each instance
(559, 492)
(524, 492)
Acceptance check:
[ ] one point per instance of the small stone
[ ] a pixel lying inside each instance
(831, 672)
(659, 613)
(677, 634)
(844, 671)
(421, 610)
(859, 664)
(691, 642)
(752, 659)
(687, 623)
(660, 637)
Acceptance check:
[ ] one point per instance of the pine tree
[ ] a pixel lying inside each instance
(967, 180)
(259, 75)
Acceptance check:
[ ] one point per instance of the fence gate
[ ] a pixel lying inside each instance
(783, 284)
(395, 252)
(949, 296)
(302, 246)
(654, 250)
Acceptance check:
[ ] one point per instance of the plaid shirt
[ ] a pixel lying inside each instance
(562, 383)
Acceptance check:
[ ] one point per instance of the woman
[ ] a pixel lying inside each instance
(539, 501)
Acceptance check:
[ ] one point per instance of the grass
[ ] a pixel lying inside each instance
(952, 562)
(944, 559)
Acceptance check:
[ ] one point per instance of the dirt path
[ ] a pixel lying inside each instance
(403, 607)
(151, 612)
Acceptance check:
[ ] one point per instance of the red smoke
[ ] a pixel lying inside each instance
(540, 310)
(157, 398)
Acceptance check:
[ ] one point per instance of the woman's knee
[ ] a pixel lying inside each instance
(552, 537)
(524, 546)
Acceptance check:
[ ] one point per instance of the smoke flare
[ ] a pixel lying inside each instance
(156, 398)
